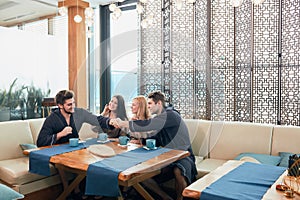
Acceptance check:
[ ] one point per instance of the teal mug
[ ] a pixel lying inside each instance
(73, 142)
(151, 143)
(102, 137)
(123, 140)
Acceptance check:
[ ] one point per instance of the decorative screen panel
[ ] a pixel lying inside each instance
(222, 63)
(265, 70)
(150, 78)
(226, 63)
(202, 62)
(243, 72)
(167, 62)
(290, 65)
(182, 75)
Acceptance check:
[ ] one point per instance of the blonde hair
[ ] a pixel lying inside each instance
(143, 112)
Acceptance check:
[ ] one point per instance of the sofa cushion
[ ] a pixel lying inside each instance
(35, 127)
(199, 135)
(285, 139)
(12, 134)
(284, 162)
(15, 171)
(229, 139)
(6, 193)
(207, 165)
(262, 158)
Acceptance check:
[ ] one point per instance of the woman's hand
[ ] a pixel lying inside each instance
(105, 111)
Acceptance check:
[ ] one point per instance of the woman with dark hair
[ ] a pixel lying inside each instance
(114, 109)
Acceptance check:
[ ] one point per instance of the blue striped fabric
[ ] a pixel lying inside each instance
(249, 181)
(39, 160)
(102, 176)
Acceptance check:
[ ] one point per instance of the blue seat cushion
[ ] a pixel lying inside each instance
(284, 162)
(262, 158)
(6, 193)
(27, 146)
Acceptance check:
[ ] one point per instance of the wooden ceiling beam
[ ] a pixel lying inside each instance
(73, 3)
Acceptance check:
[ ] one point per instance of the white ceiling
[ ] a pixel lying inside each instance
(14, 12)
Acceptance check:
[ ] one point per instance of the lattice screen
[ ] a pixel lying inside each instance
(223, 63)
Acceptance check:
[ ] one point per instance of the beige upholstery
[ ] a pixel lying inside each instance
(15, 171)
(14, 165)
(13, 133)
(199, 135)
(229, 139)
(286, 139)
(35, 127)
(215, 142)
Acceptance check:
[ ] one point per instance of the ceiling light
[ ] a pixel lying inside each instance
(62, 11)
(139, 8)
(191, 1)
(257, 2)
(77, 17)
(112, 7)
(178, 4)
(236, 3)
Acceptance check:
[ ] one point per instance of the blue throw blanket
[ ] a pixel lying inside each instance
(39, 160)
(249, 181)
(102, 176)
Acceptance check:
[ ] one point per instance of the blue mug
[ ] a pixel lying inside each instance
(123, 140)
(73, 142)
(151, 143)
(102, 137)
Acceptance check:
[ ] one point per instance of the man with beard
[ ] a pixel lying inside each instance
(65, 122)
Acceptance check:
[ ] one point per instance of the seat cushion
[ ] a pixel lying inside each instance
(285, 156)
(207, 165)
(262, 158)
(15, 171)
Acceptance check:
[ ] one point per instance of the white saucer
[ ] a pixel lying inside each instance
(103, 142)
(145, 147)
(120, 145)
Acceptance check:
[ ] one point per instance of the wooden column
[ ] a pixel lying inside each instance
(77, 51)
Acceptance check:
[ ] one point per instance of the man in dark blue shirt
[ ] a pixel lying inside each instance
(171, 132)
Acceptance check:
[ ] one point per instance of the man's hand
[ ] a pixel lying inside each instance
(114, 122)
(118, 123)
(67, 130)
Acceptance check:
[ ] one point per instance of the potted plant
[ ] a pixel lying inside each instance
(8, 100)
(33, 101)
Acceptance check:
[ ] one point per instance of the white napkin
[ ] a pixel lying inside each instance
(86, 132)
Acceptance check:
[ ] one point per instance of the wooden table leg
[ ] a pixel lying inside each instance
(68, 188)
(142, 191)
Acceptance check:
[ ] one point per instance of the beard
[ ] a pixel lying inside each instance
(68, 112)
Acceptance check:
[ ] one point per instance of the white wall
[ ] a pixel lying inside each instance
(33, 58)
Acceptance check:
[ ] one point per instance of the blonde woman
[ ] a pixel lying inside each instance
(140, 111)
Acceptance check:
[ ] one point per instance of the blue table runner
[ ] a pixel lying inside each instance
(39, 160)
(102, 176)
(249, 181)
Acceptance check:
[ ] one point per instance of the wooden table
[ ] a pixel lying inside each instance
(194, 190)
(78, 161)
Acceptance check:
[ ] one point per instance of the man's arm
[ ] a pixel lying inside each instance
(156, 123)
